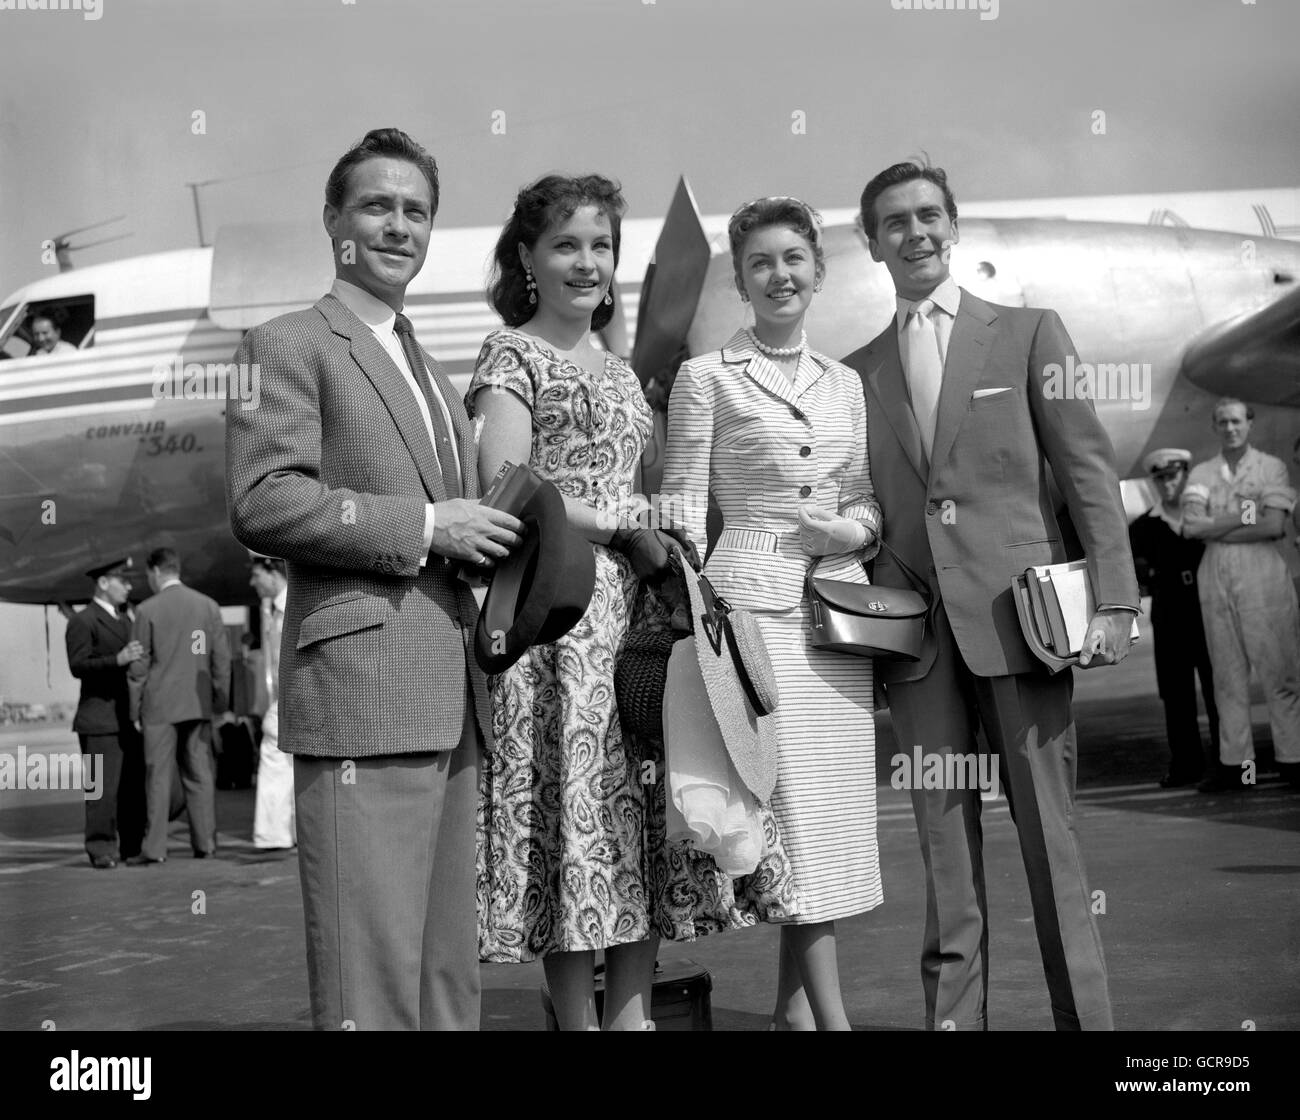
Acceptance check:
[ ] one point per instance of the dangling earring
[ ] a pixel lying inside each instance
(744, 296)
(531, 285)
(609, 299)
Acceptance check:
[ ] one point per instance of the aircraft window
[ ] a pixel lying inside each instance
(53, 327)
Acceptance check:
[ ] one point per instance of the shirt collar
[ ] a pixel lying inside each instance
(1248, 459)
(1173, 520)
(947, 296)
(107, 606)
(171, 582)
(375, 313)
(740, 348)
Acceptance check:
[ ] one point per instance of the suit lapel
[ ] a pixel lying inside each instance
(758, 369)
(119, 627)
(884, 370)
(392, 389)
(968, 351)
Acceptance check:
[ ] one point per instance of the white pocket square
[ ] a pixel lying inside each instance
(989, 392)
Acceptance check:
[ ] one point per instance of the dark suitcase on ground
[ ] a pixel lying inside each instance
(236, 756)
(679, 1001)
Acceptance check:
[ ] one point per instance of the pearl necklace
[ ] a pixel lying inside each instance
(778, 351)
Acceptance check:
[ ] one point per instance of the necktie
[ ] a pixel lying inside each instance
(441, 436)
(924, 370)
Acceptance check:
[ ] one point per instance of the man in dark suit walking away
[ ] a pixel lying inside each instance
(180, 683)
(100, 648)
(967, 428)
(358, 467)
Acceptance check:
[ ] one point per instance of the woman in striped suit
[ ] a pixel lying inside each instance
(777, 432)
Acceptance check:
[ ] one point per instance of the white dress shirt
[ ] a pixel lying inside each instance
(947, 298)
(380, 318)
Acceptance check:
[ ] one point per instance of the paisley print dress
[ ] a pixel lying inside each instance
(561, 807)
(573, 851)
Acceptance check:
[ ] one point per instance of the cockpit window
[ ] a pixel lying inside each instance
(48, 328)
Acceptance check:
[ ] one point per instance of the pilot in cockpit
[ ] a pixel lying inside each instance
(48, 337)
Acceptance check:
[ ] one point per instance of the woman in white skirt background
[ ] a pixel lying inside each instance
(777, 433)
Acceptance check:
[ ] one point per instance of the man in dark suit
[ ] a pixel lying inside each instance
(1166, 563)
(358, 467)
(967, 427)
(180, 683)
(100, 648)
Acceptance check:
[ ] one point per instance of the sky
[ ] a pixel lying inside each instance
(98, 117)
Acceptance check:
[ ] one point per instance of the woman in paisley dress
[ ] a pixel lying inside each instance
(562, 807)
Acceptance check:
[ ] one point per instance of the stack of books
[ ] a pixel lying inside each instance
(1055, 603)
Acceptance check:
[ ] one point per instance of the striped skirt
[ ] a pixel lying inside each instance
(825, 797)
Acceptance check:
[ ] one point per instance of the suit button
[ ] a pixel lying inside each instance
(804, 452)
(804, 491)
(931, 508)
(796, 414)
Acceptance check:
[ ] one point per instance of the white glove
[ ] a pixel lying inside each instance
(822, 533)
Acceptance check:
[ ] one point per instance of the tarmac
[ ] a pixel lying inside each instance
(1197, 908)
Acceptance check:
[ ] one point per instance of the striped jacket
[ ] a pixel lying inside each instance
(763, 445)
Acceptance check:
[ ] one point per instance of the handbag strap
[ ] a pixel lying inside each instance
(918, 584)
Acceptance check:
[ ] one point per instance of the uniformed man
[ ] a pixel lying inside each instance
(1166, 563)
(100, 648)
(1238, 503)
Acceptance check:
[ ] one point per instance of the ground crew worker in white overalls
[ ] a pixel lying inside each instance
(1238, 503)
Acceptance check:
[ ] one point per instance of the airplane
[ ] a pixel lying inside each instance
(105, 452)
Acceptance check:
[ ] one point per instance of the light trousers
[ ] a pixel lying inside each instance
(273, 813)
(1248, 603)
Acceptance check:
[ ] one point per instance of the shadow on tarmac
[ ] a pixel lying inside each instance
(1195, 896)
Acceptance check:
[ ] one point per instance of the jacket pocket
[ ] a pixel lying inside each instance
(357, 611)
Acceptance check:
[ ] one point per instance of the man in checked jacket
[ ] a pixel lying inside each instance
(358, 467)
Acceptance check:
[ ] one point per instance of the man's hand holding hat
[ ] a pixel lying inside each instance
(465, 529)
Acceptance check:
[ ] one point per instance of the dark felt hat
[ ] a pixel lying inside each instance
(123, 568)
(543, 588)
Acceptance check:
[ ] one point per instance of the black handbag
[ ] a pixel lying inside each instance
(642, 667)
(867, 620)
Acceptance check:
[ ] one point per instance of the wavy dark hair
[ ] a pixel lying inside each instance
(391, 143)
(779, 210)
(904, 172)
(540, 206)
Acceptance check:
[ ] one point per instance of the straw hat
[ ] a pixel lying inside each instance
(750, 738)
